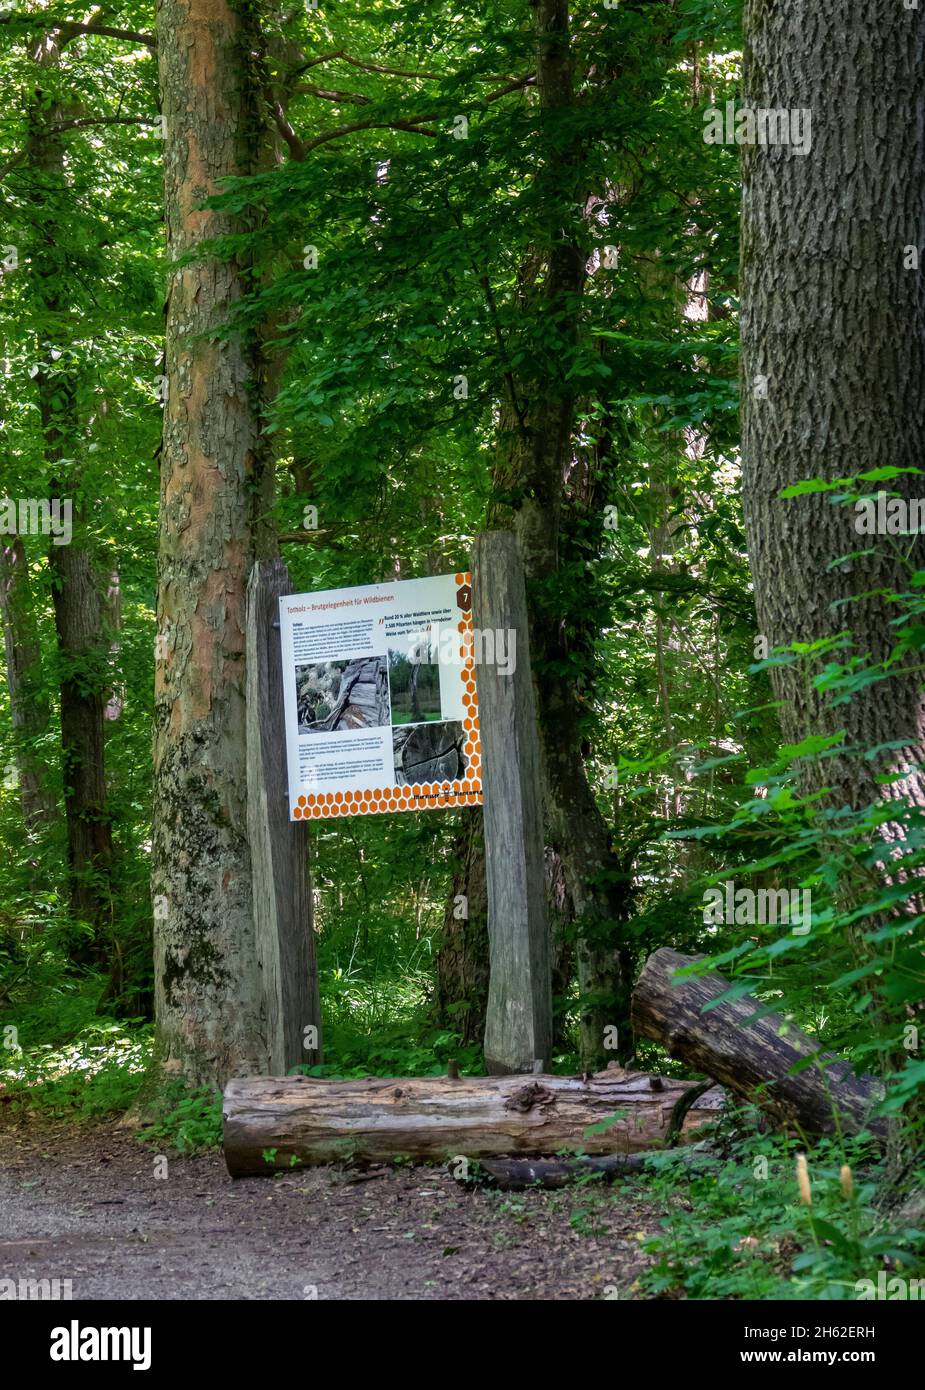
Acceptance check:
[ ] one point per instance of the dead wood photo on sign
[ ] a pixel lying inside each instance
(429, 752)
(332, 696)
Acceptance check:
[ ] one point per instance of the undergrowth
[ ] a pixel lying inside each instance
(741, 1223)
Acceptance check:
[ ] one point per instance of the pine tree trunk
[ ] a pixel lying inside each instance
(833, 330)
(207, 981)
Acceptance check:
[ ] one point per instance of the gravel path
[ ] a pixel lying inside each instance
(93, 1205)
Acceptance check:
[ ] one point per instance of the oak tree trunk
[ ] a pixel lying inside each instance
(833, 346)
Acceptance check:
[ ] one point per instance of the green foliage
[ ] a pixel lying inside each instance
(91, 1069)
(408, 1049)
(736, 1226)
(187, 1118)
(854, 974)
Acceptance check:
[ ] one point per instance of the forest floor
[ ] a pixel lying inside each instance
(85, 1203)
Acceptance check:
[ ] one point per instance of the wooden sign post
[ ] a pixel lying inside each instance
(279, 849)
(518, 1034)
(518, 1030)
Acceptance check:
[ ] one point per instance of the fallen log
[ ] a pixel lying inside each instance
(278, 1122)
(751, 1056)
(517, 1174)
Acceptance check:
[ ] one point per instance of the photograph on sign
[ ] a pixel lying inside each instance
(380, 699)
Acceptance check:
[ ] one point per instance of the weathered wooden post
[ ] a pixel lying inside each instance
(518, 1029)
(279, 847)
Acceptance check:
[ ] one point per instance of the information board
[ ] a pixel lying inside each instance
(380, 700)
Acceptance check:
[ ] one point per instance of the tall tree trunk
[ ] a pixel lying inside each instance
(535, 455)
(77, 604)
(833, 330)
(28, 702)
(78, 622)
(213, 469)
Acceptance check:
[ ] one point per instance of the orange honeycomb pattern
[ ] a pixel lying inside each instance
(321, 805)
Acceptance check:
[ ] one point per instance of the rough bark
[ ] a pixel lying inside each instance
(271, 1121)
(835, 325)
(753, 1057)
(213, 477)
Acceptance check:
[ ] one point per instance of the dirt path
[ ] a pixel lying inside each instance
(87, 1205)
